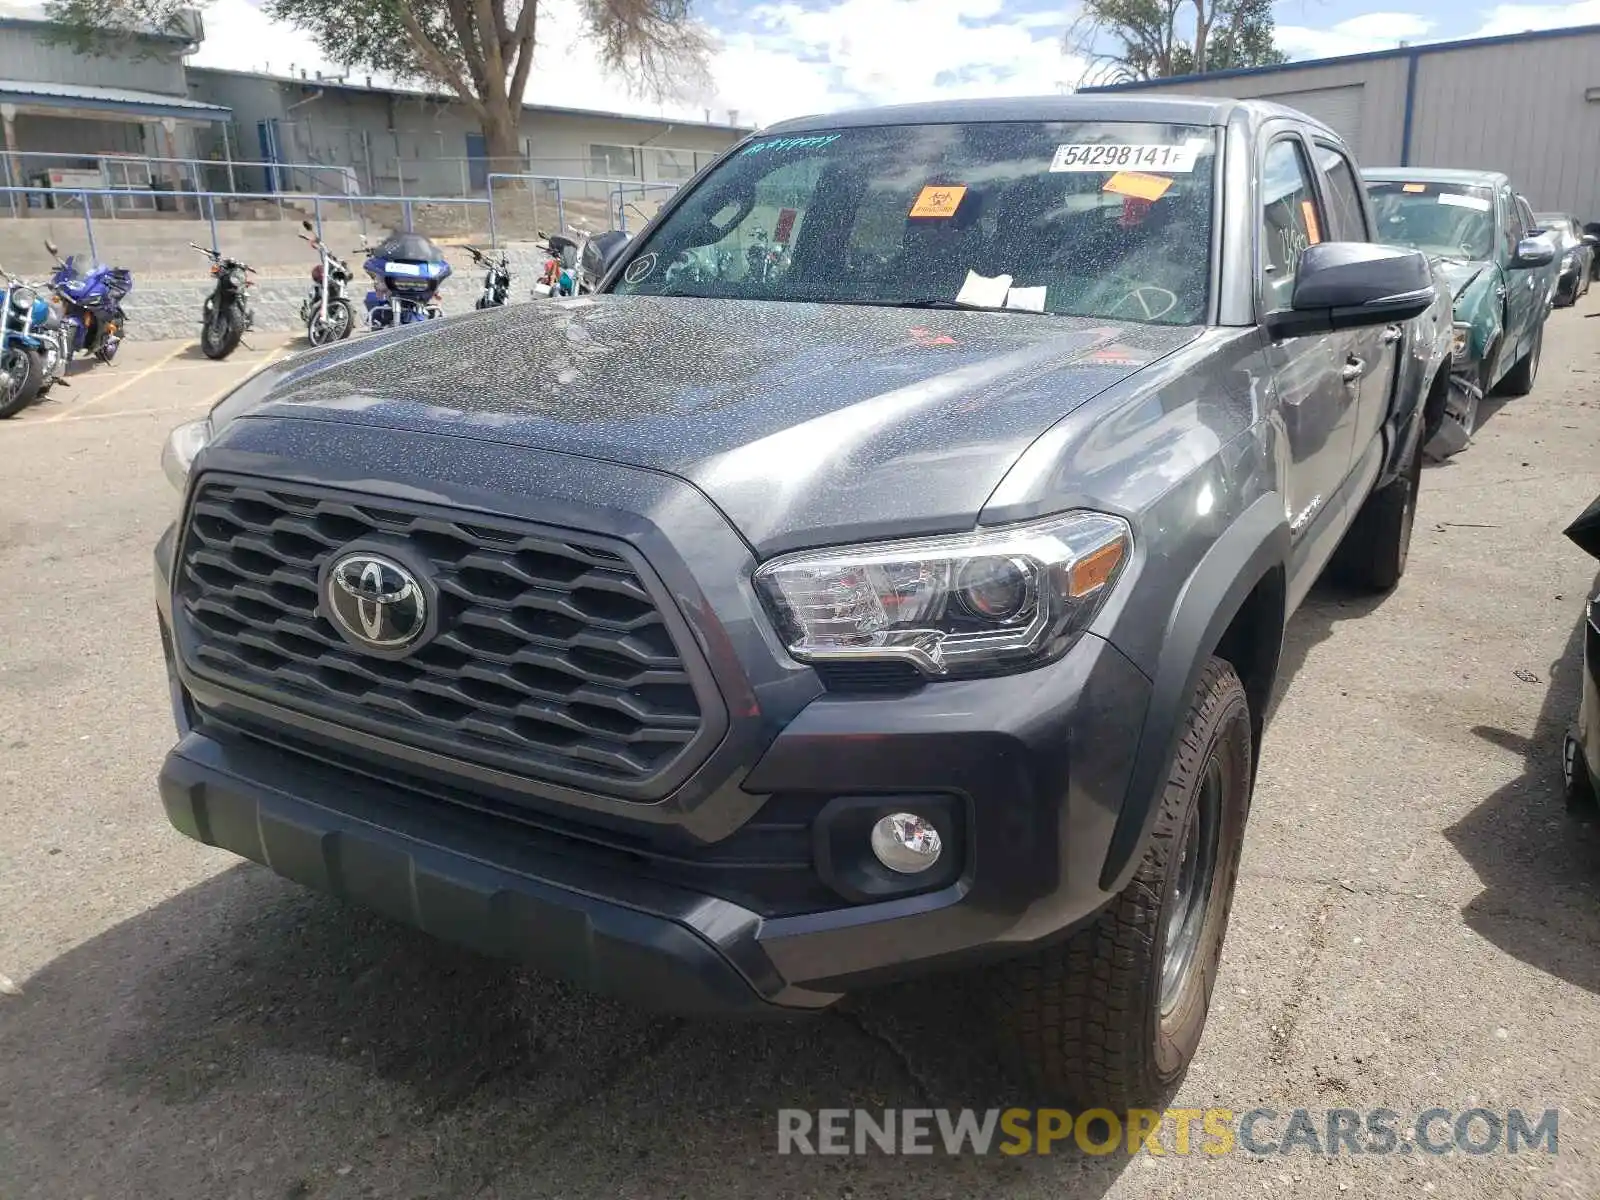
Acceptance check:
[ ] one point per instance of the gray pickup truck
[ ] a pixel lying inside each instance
(883, 573)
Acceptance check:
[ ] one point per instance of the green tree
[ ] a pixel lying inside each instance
(481, 51)
(1127, 40)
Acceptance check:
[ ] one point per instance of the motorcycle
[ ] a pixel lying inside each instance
(559, 276)
(326, 311)
(407, 270)
(91, 302)
(226, 314)
(496, 277)
(33, 344)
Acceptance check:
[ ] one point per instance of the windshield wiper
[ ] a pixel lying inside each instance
(958, 304)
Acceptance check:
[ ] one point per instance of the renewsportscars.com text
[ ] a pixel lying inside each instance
(1180, 1131)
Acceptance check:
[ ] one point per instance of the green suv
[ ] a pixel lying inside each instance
(1487, 248)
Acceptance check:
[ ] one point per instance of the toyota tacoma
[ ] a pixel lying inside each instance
(884, 572)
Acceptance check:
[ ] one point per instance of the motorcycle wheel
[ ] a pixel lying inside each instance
(24, 369)
(336, 328)
(220, 335)
(484, 302)
(110, 340)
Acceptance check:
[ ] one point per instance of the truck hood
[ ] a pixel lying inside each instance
(804, 423)
(1458, 274)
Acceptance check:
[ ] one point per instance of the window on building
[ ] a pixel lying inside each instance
(674, 164)
(1290, 220)
(613, 162)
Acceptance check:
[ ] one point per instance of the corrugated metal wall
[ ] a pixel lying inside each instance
(26, 55)
(1511, 106)
(1381, 84)
(1517, 108)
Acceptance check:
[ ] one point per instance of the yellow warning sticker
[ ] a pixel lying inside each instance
(938, 200)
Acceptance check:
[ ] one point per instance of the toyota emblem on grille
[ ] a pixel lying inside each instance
(375, 602)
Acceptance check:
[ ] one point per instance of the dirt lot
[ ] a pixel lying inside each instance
(1418, 921)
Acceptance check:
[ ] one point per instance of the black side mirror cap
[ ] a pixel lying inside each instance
(1349, 285)
(602, 251)
(1532, 252)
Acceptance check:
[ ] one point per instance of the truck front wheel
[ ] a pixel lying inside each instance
(1112, 1016)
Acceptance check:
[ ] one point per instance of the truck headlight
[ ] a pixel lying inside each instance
(967, 603)
(183, 443)
(1460, 342)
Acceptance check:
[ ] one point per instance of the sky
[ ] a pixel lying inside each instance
(784, 58)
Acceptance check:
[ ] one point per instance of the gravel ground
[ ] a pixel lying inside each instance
(1417, 924)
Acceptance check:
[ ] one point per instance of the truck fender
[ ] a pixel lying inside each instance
(1252, 547)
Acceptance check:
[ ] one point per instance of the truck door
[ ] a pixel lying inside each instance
(1317, 376)
(1375, 349)
(1522, 294)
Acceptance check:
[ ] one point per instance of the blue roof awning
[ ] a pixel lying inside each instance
(143, 105)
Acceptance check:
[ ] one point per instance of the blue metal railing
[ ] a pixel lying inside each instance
(206, 204)
(616, 189)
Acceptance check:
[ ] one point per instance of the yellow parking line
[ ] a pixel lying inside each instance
(116, 389)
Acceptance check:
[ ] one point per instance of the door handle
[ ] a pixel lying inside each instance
(1391, 335)
(1353, 370)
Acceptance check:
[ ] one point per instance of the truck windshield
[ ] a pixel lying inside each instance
(1450, 220)
(1106, 219)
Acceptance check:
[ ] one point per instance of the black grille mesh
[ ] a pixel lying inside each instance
(552, 658)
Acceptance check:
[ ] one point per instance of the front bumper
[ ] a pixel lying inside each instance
(1035, 768)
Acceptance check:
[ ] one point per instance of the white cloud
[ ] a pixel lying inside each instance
(1518, 18)
(1370, 31)
(802, 60)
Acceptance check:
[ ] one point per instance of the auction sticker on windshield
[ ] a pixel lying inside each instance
(1115, 156)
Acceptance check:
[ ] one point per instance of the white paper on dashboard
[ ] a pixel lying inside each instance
(984, 292)
(1029, 299)
(1476, 203)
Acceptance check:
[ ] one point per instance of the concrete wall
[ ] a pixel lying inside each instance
(26, 54)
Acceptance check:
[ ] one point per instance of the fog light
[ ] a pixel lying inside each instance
(906, 843)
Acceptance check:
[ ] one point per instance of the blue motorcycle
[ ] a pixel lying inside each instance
(91, 299)
(406, 271)
(33, 344)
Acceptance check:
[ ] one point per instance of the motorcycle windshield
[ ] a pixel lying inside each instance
(412, 247)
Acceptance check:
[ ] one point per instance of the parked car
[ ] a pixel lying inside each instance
(1575, 255)
(1499, 272)
(1580, 749)
(742, 641)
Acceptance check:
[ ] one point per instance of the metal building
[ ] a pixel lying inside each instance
(1527, 104)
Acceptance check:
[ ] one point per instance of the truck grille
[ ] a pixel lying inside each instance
(552, 658)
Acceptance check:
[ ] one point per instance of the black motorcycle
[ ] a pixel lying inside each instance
(227, 313)
(326, 311)
(496, 277)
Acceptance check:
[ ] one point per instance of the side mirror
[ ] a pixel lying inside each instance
(602, 251)
(1347, 285)
(50, 247)
(1532, 252)
(308, 226)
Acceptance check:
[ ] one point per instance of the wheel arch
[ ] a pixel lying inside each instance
(1233, 605)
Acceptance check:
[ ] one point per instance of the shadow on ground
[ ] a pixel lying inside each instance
(1539, 864)
(247, 1038)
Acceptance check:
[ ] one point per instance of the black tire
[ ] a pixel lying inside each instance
(1575, 782)
(26, 370)
(335, 329)
(1519, 380)
(1084, 1019)
(1377, 545)
(221, 333)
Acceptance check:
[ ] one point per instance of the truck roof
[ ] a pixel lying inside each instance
(1435, 175)
(1171, 110)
